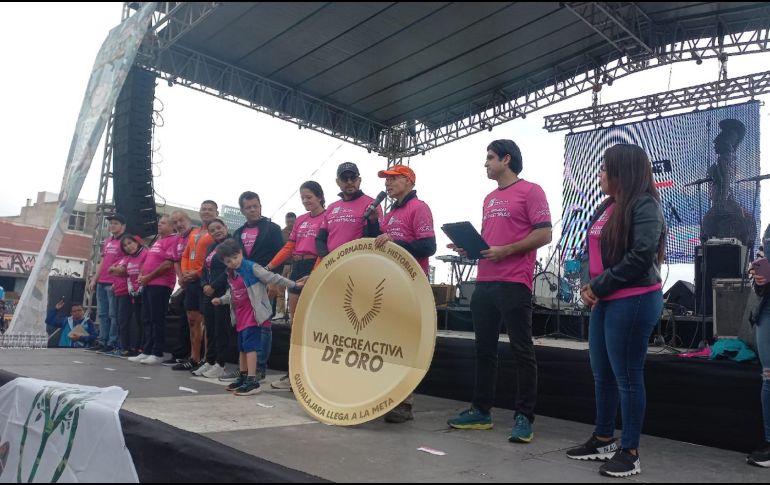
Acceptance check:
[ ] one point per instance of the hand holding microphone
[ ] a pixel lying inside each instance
(375, 203)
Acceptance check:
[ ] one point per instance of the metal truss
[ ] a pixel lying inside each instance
(623, 24)
(703, 95)
(179, 65)
(502, 107)
(173, 20)
(102, 208)
(642, 44)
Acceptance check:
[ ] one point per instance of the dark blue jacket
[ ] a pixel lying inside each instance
(66, 324)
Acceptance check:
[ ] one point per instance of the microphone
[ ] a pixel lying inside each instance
(699, 181)
(755, 179)
(376, 202)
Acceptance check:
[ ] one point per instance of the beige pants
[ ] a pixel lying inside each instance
(280, 303)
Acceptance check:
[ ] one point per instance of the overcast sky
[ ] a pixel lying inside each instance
(208, 148)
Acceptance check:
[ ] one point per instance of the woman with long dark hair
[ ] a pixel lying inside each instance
(761, 318)
(626, 245)
(301, 249)
(129, 295)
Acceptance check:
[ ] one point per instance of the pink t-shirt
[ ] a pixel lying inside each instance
(408, 223)
(249, 237)
(304, 233)
(111, 254)
(595, 265)
(164, 249)
(134, 268)
(244, 313)
(344, 220)
(510, 214)
(120, 283)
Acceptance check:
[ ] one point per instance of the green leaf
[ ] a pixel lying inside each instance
(61, 429)
(39, 415)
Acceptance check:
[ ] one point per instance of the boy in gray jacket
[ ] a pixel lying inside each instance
(250, 309)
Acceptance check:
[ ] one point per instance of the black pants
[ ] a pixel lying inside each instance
(511, 303)
(132, 320)
(156, 301)
(183, 345)
(217, 331)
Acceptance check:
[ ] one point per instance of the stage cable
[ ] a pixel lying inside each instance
(157, 121)
(310, 177)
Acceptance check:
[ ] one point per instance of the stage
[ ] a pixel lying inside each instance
(269, 438)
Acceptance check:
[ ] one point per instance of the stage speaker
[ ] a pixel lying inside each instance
(443, 294)
(466, 292)
(133, 192)
(722, 261)
(681, 297)
(731, 298)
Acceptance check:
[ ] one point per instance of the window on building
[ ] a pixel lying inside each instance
(77, 221)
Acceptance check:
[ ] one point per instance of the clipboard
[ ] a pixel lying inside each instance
(465, 236)
(79, 331)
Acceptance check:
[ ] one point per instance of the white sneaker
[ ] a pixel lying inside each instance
(282, 383)
(202, 369)
(279, 316)
(138, 358)
(214, 372)
(152, 360)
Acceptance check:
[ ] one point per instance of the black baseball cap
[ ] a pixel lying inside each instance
(117, 217)
(348, 167)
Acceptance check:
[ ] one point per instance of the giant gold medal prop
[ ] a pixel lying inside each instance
(363, 333)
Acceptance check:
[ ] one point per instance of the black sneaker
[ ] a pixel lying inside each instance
(172, 362)
(760, 456)
(622, 464)
(249, 387)
(400, 414)
(237, 383)
(187, 365)
(106, 350)
(96, 348)
(594, 449)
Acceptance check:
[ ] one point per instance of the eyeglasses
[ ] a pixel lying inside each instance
(348, 178)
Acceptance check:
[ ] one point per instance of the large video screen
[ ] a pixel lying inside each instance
(682, 150)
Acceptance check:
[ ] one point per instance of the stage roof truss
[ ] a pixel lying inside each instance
(618, 39)
(744, 88)
(200, 72)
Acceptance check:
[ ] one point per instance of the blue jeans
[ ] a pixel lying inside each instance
(106, 308)
(763, 349)
(618, 334)
(264, 353)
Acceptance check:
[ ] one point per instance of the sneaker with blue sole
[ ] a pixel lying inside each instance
(471, 419)
(522, 430)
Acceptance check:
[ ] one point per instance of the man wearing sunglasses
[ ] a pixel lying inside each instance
(344, 219)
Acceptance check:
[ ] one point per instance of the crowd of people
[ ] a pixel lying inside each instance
(230, 279)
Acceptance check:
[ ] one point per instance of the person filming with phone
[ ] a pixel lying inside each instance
(77, 330)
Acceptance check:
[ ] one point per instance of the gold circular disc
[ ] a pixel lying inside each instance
(363, 334)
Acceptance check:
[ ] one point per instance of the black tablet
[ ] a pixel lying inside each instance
(465, 236)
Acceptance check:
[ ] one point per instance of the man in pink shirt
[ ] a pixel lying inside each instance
(516, 223)
(101, 280)
(344, 219)
(410, 225)
(410, 221)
